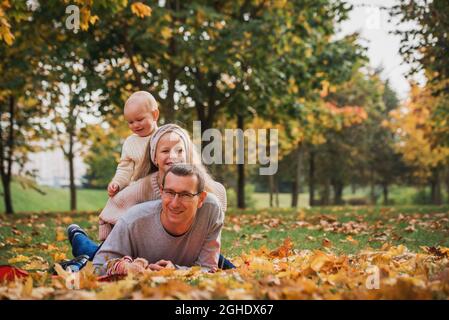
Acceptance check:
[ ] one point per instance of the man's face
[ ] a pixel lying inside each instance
(178, 211)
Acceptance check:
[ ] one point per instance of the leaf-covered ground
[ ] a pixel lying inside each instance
(331, 253)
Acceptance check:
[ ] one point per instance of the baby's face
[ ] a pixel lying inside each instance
(140, 120)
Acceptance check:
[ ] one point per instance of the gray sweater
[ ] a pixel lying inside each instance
(140, 234)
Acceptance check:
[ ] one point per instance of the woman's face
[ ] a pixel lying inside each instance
(169, 151)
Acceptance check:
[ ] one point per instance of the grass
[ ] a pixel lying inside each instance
(54, 199)
(262, 200)
(58, 199)
(31, 234)
(398, 195)
(393, 226)
(274, 250)
(45, 217)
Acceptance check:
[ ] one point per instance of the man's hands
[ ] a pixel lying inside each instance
(161, 264)
(137, 266)
(127, 265)
(113, 188)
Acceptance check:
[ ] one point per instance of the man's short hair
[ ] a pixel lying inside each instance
(186, 170)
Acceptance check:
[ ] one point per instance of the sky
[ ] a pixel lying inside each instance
(383, 47)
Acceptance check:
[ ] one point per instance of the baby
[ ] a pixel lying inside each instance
(141, 113)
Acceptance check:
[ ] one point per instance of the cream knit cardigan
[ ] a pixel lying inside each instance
(133, 152)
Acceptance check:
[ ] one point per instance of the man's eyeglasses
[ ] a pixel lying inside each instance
(183, 196)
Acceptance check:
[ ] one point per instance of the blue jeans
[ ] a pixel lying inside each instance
(82, 244)
(224, 263)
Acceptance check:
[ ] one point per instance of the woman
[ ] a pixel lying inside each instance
(169, 145)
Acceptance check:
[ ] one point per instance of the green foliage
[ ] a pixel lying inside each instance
(422, 197)
(363, 153)
(425, 46)
(101, 167)
(276, 61)
(103, 154)
(250, 199)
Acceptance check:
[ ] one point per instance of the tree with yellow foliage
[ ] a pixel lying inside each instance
(413, 126)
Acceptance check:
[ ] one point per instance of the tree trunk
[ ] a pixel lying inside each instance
(71, 160)
(438, 197)
(7, 196)
(168, 110)
(297, 177)
(432, 191)
(435, 187)
(372, 188)
(446, 180)
(312, 178)
(276, 191)
(271, 188)
(270, 177)
(325, 194)
(70, 154)
(385, 193)
(338, 193)
(6, 158)
(240, 171)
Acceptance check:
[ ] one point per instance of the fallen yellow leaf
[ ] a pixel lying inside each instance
(19, 258)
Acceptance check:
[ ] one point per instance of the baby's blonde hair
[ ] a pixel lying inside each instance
(145, 97)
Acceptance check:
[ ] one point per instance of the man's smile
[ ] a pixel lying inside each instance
(175, 211)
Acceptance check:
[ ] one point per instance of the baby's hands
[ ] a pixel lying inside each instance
(113, 188)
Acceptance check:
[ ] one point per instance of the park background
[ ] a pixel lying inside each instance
(353, 128)
(358, 91)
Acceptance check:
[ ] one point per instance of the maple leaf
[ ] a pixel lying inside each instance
(59, 256)
(5, 32)
(326, 243)
(436, 251)
(284, 250)
(19, 258)
(36, 264)
(141, 10)
(27, 289)
(166, 33)
(352, 240)
(318, 261)
(67, 220)
(60, 235)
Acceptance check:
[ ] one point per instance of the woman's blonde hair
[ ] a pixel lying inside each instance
(193, 156)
